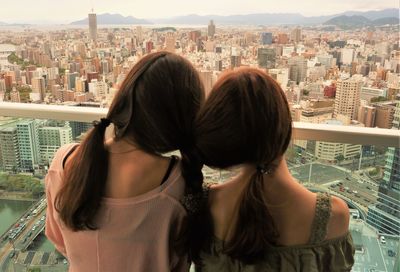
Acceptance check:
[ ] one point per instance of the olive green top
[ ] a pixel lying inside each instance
(317, 255)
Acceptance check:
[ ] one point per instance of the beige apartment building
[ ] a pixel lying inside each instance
(347, 98)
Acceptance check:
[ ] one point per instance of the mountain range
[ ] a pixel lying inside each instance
(249, 19)
(373, 17)
(353, 21)
(114, 19)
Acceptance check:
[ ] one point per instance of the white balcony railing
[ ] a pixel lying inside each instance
(302, 131)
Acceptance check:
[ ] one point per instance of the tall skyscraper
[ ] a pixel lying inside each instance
(211, 29)
(385, 214)
(92, 26)
(347, 98)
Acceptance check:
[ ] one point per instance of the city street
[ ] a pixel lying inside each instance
(7, 248)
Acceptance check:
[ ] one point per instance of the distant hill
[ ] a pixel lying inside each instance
(271, 18)
(355, 21)
(249, 19)
(375, 14)
(2, 23)
(113, 19)
(259, 19)
(386, 21)
(349, 21)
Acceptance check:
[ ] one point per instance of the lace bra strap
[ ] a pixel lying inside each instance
(322, 215)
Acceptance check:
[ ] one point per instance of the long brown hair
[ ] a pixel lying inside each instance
(155, 108)
(246, 119)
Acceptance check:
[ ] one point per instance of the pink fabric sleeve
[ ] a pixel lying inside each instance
(52, 182)
(53, 231)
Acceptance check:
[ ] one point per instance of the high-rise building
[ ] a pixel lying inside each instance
(283, 38)
(98, 88)
(207, 79)
(347, 56)
(28, 142)
(92, 75)
(366, 115)
(194, 35)
(218, 65)
(266, 38)
(51, 138)
(385, 214)
(211, 29)
(9, 149)
(71, 79)
(326, 60)
(330, 91)
(139, 34)
(170, 42)
(38, 89)
(14, 96)
(347, 98)
(77, 128)
(266, 57)
(236, 58)
(93, 26)
(384, 115)
(104, 67)
(295, 35)
(281, 76)
(2, 85)
(297, 69)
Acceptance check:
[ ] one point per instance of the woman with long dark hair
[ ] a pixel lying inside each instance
(115, 204)
(262, 219)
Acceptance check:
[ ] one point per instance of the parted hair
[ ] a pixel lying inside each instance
(155, 108)
(245, 120)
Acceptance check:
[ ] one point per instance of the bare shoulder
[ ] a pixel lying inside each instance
(340, 216)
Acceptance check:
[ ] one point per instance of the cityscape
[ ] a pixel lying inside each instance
(341, 72)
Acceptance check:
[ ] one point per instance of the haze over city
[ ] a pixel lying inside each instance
(49, 11)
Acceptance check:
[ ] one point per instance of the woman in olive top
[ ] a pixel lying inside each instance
(262, 219)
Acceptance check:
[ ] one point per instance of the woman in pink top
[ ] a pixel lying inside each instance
(115, 205)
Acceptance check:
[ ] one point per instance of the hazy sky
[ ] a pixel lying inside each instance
(65, 11)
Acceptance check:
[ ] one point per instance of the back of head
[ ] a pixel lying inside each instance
(246, 119)
(155, 109)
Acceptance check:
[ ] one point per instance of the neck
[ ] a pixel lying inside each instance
(275, 184)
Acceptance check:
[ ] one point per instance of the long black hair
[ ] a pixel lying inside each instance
(155, 108)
